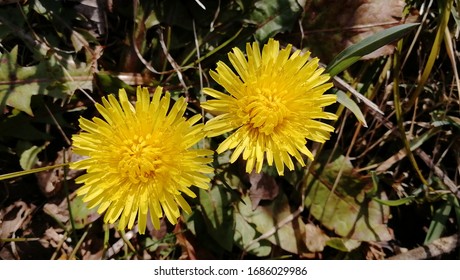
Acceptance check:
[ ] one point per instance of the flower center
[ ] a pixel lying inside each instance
(264, 111)
(140, 158)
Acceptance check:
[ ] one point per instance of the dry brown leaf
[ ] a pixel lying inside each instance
(55, 238)
(263, 187)
(51, 238)
(50, 182)
(157, 233)
(118, 245)
(191, 248)
(188, 249)
(14, 217)
(82, 216)
(6, 254)
(332, 25)
(375, 252)
(388, 163)
(371, 17)
(57, 211)
(92, 248)
(315, 238)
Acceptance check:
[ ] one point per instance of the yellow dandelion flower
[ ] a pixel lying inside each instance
(273, 101)
(139, 159)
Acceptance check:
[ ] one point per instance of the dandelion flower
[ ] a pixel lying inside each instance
(273, 101)
(139, 159)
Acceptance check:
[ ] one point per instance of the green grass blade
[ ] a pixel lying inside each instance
(433, 54)
(400, 115)
(30, 171)
(438, 224)
(353, 53)
(456, 208)
(346, 101)
(396, 202)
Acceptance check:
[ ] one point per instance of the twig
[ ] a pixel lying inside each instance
(200, 4)
(147, 64)
(216, 15)
(340, 83)
(116, 247)
(59, 245)
(79, 243)
(67, 140)
(198, 56)
(438, 172)
(171, 60)
(417, 34)
(30, 171)
(19, 239)
(436, 248)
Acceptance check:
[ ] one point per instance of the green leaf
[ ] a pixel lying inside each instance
(438, 224)
(50, 77)
(111, 84)
(353, 53)
(29, 157)
(217, 212)
(290, 237)
(396, 202)
(346, 209)
(245, 233)
(81, 214)
(273, 17)
(346, 101)
(375, 186)
(342, 244)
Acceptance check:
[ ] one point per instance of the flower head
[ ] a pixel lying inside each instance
(139, 159)
(273, 101)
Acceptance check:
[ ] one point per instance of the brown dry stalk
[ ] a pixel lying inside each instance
(436, 248)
